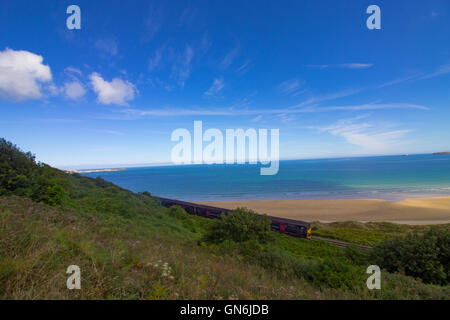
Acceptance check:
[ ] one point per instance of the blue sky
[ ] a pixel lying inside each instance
(113, 92)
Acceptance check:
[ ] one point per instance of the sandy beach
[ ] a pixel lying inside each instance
(409, 211)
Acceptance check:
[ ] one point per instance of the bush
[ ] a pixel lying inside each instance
(145, 193)
(240, 225)
(357, 256)
(178, 212)
(425, 256)
(53, 195)
(337, 273)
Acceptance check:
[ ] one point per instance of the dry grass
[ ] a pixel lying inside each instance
(38, 243)
(150, 256)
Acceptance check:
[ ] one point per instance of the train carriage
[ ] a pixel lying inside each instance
(291, 227)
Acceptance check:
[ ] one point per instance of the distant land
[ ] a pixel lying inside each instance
(96, 170)
(439, 153)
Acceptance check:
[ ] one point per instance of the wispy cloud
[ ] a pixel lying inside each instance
(230, 57)
(74, 90)
(290, 87)
(327, 97)
(136, 113)
(286, 117)
(108, 46)
(106, 131)
(370, 137)
(216, 86)
(155, 61)
(152, 23)
(444, 69)
(353, 65)
(243, 68)
(73, 71)
(181, 70)
(396, 81)
(188, 15)
(356, 65)
(377, 107)
(257, 118)
(441, 70)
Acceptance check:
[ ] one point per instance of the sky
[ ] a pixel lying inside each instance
(112, 92)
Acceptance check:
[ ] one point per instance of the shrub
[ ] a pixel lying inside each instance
(53, 194)
(145, 193)
(102, 183)
(240, 225)
(357, 256)
(178, 212)
(425, 256)
(336, 273)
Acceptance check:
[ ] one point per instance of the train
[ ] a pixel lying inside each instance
(296, 228)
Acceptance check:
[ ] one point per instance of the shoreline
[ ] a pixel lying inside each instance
(95, 170)
(414, 211)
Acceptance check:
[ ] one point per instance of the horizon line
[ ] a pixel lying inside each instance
(168, 164)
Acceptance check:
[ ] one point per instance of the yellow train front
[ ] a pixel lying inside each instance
(290, 227)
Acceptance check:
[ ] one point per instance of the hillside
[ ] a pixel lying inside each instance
(129, 247)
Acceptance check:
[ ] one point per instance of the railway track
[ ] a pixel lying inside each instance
(280, 223)
(339, 243)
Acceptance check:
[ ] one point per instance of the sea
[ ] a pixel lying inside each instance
(392, 178)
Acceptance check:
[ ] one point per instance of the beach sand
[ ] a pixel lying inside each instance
(409, 211)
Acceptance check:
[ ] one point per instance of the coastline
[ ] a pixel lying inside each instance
(95, 170)
(414, 211)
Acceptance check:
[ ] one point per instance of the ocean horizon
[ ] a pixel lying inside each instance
(391, 178)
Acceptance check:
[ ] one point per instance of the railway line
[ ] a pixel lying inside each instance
(339, 243)
(289, 227)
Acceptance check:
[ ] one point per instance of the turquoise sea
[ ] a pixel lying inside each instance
(387, 177)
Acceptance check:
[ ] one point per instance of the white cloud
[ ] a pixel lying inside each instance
(72, 70)
(51, 89)
(444, 69)
(181, 70)
(229, 58)
(116, 92)
(188, 15)
(373, 139)
(244, 67)
(254, 112)
(353, 65)
(257, 118)
(74, 90)
(217, 85)
(22, 74)
(290, 86)
(108, 46)
(111, 132)
(153, 22)
(286, 117)
(441, 70)
(155, 61)
(327, 97)
(371, 106)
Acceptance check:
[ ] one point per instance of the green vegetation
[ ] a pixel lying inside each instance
(129, 247)
(369, 233)
(241, 226)
(425, 256)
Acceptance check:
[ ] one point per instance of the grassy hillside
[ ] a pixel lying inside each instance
(129, 247)
(370, 233)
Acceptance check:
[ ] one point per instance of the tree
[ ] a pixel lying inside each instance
(425, 256)
(240, 225)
